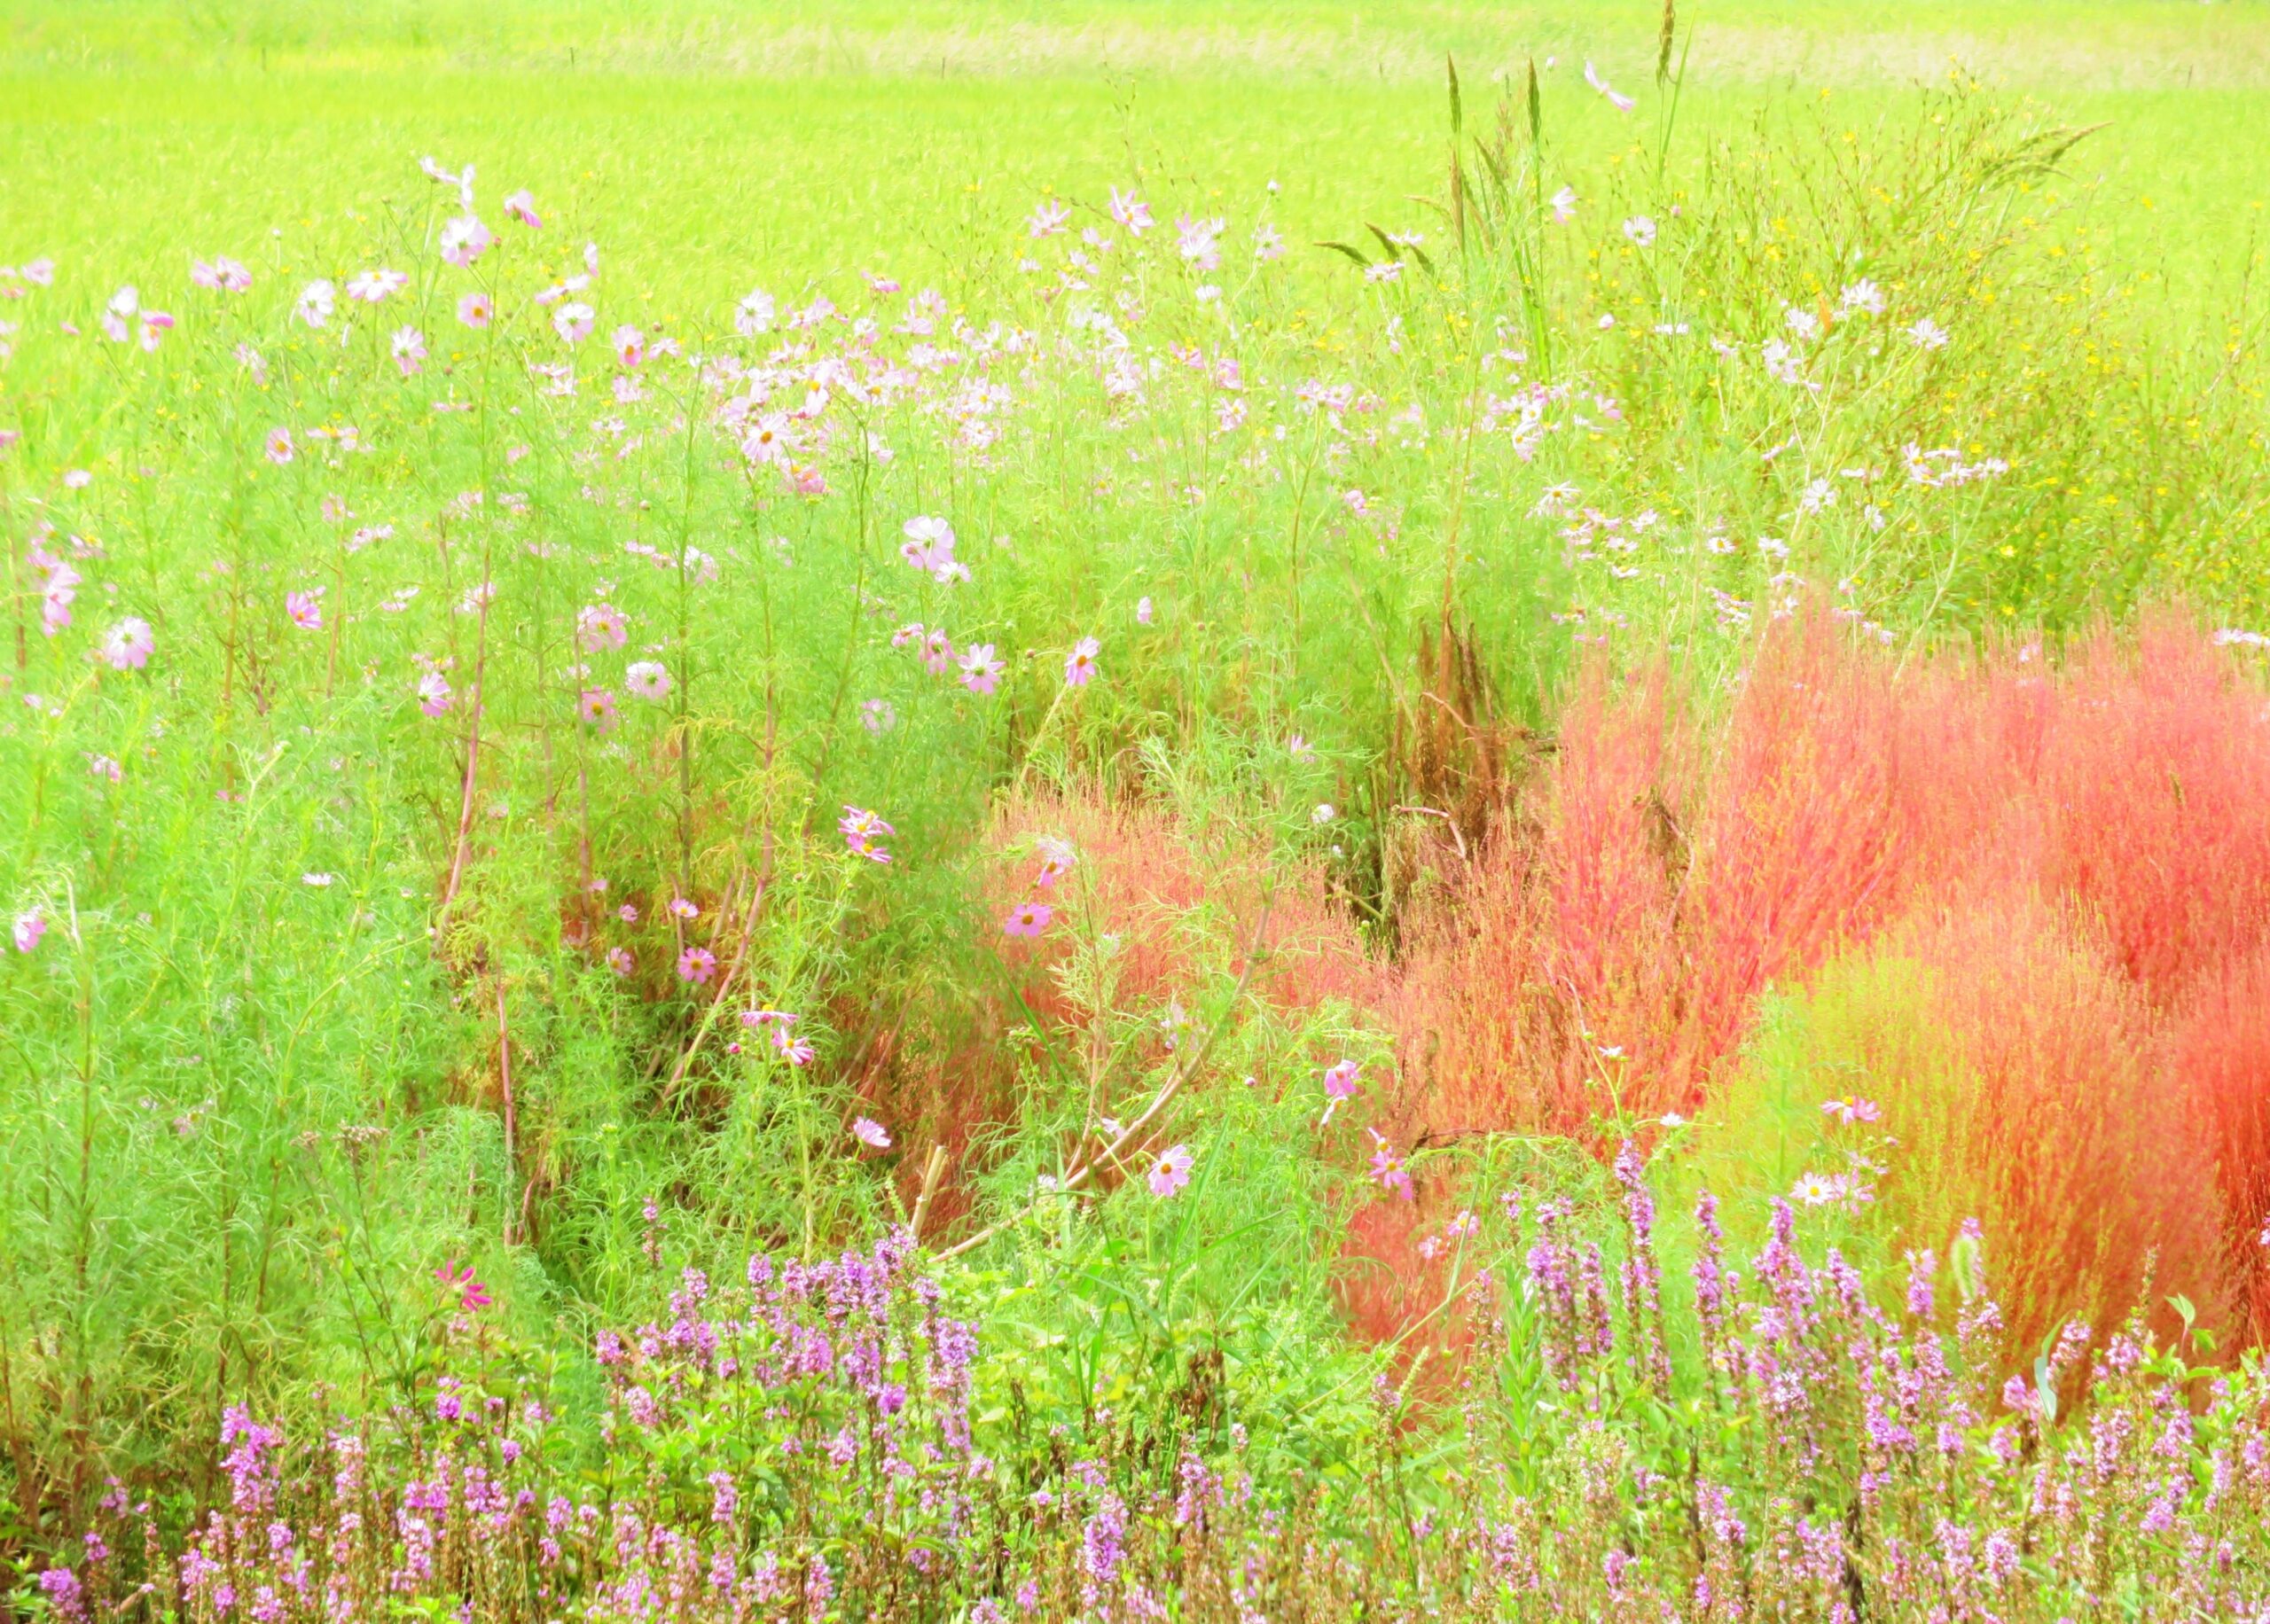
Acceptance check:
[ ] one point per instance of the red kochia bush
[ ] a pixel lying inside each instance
(1668, 864)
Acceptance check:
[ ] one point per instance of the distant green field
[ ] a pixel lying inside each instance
(703, 140)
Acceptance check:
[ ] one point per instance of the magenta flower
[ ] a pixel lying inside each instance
(1170, 1172)
(754, 1019)
(433, 695)
(1850, 1109)
(1028, 919)
(861, 831)
(792, 1049)
(619, 960)
(473, 1296)
(475, 309)
(684, 909)
(127, 647)
(649, 679)
(306, 609)
(697, 965)
(628, 913)
(871, 1133)
(630, 345)
(1341, 1082)
(1080, 665)
(31, 925)
(1143, 611)
(279, 446)
(521, 205)
(597, 708)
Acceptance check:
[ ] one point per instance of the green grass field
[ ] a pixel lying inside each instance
(447, 692)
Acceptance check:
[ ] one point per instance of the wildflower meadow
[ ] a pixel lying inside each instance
(1127, 811)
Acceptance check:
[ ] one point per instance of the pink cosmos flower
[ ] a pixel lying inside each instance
(1143, 611)
(878, 716)
(475, 309)
(127, 647)
(790, 1048)
(981, 673)
(408, 348)
(306, 609)
(464, 239)
(77, 479)
(1057, 857)
(574, 321)
(684, 909)
(1048, 218)
(1080, 666)
(629, 346)
(1170, 1172)
(755, 314)
(153, 325)
(599, 627)
(222, 274)
(375, 287)
(40, 272)
(433, 695)
(628, 913)
(937, 653)
(861, 831)
(697, 965)
(106, 767)
(1641, 231)
(279, 446)
(871, 1133)
(119, 313)
(619, 960)
(1565, 205)
(1387, 1166)
(756, 1019)
(1615, 98)
(1850, 1109)
(315, 303)
(31, 925)
(649, 679)
(1131, 211)
(1341, 1082)
(1028, 919)
(930, 543)
(597, 708)
(521, 205)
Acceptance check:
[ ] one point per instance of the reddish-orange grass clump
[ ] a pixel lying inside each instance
(1669, 862)
(1140, 872)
